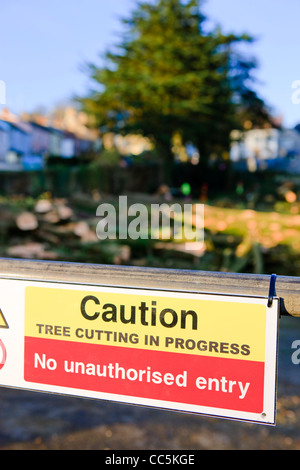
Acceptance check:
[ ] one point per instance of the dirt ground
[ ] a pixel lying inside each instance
(122, 427)
(36, 421)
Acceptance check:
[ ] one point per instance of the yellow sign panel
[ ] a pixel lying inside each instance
(158, 321)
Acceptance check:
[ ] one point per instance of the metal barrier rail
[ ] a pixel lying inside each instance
(287, 288)
(78, 329)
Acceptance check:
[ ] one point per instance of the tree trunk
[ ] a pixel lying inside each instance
(167, 158)
(203, 162)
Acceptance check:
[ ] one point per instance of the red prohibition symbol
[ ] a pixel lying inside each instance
(2, 354)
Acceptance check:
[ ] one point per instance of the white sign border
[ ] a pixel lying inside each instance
(17, 302)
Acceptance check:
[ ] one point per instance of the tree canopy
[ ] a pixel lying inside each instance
(169, 74)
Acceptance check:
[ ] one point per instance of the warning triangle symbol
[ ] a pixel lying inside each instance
(3, 322)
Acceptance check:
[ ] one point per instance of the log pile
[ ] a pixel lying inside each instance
(53, 230)
(65, 230)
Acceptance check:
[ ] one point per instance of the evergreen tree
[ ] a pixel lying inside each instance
(169, 75)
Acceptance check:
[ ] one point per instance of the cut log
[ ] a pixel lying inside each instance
(52, 217)
(86, 234)
(31, 250)
(64, 212)
(43, 206)
(81, 229)
(26, 221)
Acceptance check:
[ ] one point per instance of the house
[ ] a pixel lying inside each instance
(67, 148)
(289, 143)
(67, 145)
(31, 152)
(15, 147)
(19, 139)
(264, 144)
(55, 139)
(32, 139)
(39, 139)
(4, 140)
(14, 144)
(83, 146)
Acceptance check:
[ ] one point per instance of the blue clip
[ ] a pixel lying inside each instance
(272, 292)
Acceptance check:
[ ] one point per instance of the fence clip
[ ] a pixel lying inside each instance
(272, 292)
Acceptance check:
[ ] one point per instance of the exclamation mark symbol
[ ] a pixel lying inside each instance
(3, 322)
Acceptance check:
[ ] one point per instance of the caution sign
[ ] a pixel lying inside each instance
(201, 353)
(208, 354)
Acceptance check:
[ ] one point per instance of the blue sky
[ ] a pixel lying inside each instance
(43, 44)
